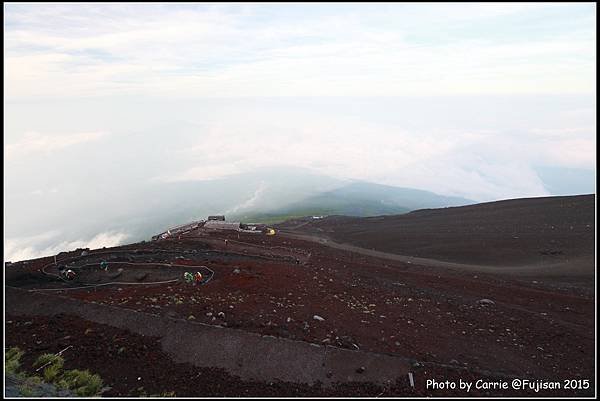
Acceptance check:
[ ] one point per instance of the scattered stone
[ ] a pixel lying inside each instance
(485, 302)
(221, 314)
(141, 276)
(319, 318)
(360, 370)
(236, 271)
(191, 317)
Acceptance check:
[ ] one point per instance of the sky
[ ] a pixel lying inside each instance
(103, 101)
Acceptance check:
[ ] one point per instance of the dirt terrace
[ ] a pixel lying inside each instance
(276, 285)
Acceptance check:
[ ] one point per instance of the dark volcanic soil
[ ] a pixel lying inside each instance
(133, 365)
(534, 327)
(506, 233)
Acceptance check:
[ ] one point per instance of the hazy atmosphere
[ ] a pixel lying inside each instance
(123, 120)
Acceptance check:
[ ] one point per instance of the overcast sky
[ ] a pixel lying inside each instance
(459, 99)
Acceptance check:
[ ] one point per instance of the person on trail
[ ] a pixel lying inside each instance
(68, 274)
(198, 277)
(188, 277)
(226, 242)
(104, 265)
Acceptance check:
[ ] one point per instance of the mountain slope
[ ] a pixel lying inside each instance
(387, 197)
(359, 199)
(540, 231)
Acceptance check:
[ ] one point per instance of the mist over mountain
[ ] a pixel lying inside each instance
(567, 181)
(99, 172)
(259, 195)
(360, 199)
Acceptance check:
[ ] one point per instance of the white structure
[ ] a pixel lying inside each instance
(222, 225)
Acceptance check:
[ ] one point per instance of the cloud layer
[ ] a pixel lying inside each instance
(26, 248)
(298, 50)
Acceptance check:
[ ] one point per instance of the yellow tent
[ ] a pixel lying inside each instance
(271, 232)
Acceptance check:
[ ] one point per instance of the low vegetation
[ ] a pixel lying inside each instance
(12, 359)
(82, 383)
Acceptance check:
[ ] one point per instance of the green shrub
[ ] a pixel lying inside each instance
(54, 365)
(49, 359)
(52, 372)
(29, 388)
(12, 359)
(84, 383)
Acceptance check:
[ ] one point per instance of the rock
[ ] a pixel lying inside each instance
(191, 317)
(221, 314)
(209, 314)
(84, 253)
(485, 302)
(319, 318)
(236, 271)
(454, 362)
(360, 370)
(117, 274)
(141, 276)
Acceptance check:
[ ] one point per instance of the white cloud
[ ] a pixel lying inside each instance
(477, 163)
(214, 51)
(34, 142)
(205, 172)
(24, 248)
(251, 202)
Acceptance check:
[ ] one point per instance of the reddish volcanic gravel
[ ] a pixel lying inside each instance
(275, 285)
(133, 365)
